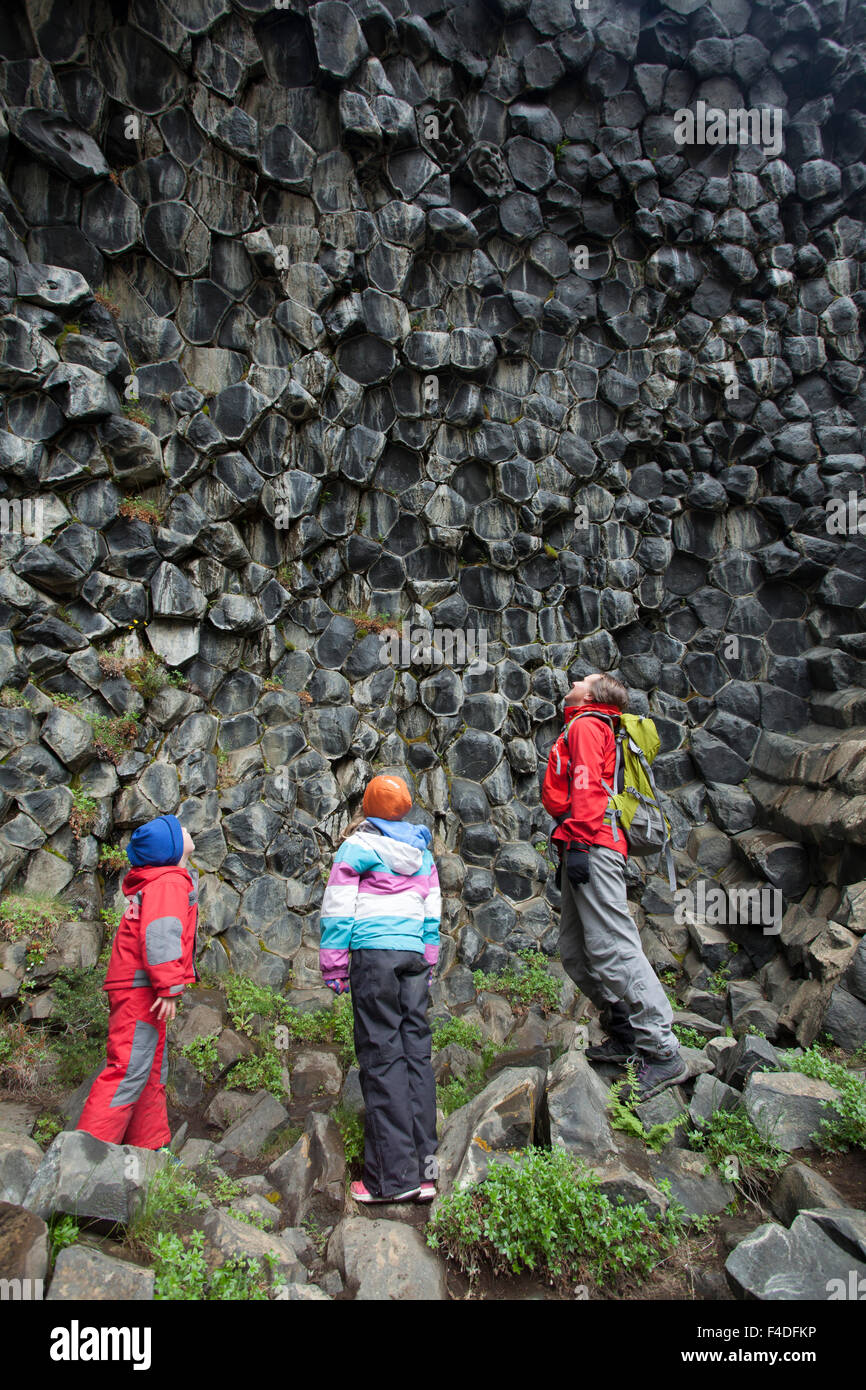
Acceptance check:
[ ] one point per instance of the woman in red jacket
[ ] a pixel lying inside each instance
(152, 961)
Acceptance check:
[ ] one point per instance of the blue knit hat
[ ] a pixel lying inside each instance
(160, 841)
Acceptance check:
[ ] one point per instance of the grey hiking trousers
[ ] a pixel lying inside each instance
(600, 950)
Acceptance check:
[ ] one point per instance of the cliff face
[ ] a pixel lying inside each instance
(531, 327)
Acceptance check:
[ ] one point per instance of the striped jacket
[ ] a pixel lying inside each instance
(155, 942)
(382, 893)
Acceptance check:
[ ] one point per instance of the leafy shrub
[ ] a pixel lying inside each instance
(47, 1128)
(112, 737)
(689, 1037)
(453, 1094)
(262, 1071)
(455, 1030)
(245, 999)
(82, 817)
(36, 915)
(113, 859)
(202, 1054)
(81, 1014)
(62, 1232)
(351, 1127)
(26, 1064)
(543, 1211)
(741, 1154)
(846, 1129)
(13, 699)
(527, 981)
(624, 1118)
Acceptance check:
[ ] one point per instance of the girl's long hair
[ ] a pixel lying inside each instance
(357, 820)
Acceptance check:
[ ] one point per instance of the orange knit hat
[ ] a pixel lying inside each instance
(387, 797)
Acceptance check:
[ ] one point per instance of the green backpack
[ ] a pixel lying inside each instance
(633, 807)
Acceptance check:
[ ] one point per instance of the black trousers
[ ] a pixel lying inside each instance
(393, 1043)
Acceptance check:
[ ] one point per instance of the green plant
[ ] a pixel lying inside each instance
(542, 1210)
(623, 1117)
(170, 1193)
(262, 1071)
(845, 1126)
(111, 917)
(453, 1094)
(455, 1030)
(47, 1128)
(739, 1151)
(64, 334)
(201, 1053)
(145, 673)
(113, 859)
(351, 1127)
(81, 1014)
(26, 1063)
(62, 1232)
(82, 817)
(13, 699)
(525, 982)
(133, 411)
(181, 1270)
(114, 736)
(36, 915)
(689, 1037)
(559, 147)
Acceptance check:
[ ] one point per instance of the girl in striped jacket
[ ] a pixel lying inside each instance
(382, 903)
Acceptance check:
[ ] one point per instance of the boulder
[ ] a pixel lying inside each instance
(257, 1126)
(23, 1243)
(20, 1157)
(577, 1107)
(226, 1237)
(505, 1115)
(313, 1168)
(789, 1108)
(801, 1189)
(85, 1177)
(85, 1274)
(820, 1257)
(382, 1260)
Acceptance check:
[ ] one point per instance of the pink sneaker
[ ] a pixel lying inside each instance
(426, 1192)
(360, 1194)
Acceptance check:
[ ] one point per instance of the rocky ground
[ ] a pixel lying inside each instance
(270, 1176)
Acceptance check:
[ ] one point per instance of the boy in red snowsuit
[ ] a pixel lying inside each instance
(152, 960)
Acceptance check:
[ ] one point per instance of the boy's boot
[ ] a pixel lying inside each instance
(619, 1044)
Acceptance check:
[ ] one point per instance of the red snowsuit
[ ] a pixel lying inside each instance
(153, 957)
(581, 815)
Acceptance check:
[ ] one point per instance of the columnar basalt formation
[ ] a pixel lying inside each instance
(532, 325)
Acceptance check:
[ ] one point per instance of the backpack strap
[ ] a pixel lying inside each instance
(668, 853)
(608, 719)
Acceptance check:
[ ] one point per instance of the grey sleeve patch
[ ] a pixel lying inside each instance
(163, 1071)
(163, 940)
(141, 1055)
(140, 978)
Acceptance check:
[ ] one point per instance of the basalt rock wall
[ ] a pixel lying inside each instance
(531, 324)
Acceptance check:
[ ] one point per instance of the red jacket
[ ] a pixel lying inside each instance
(155, 942)
(592, 747)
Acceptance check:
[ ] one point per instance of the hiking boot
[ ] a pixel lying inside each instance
(616, 1048)
(654, 1074)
